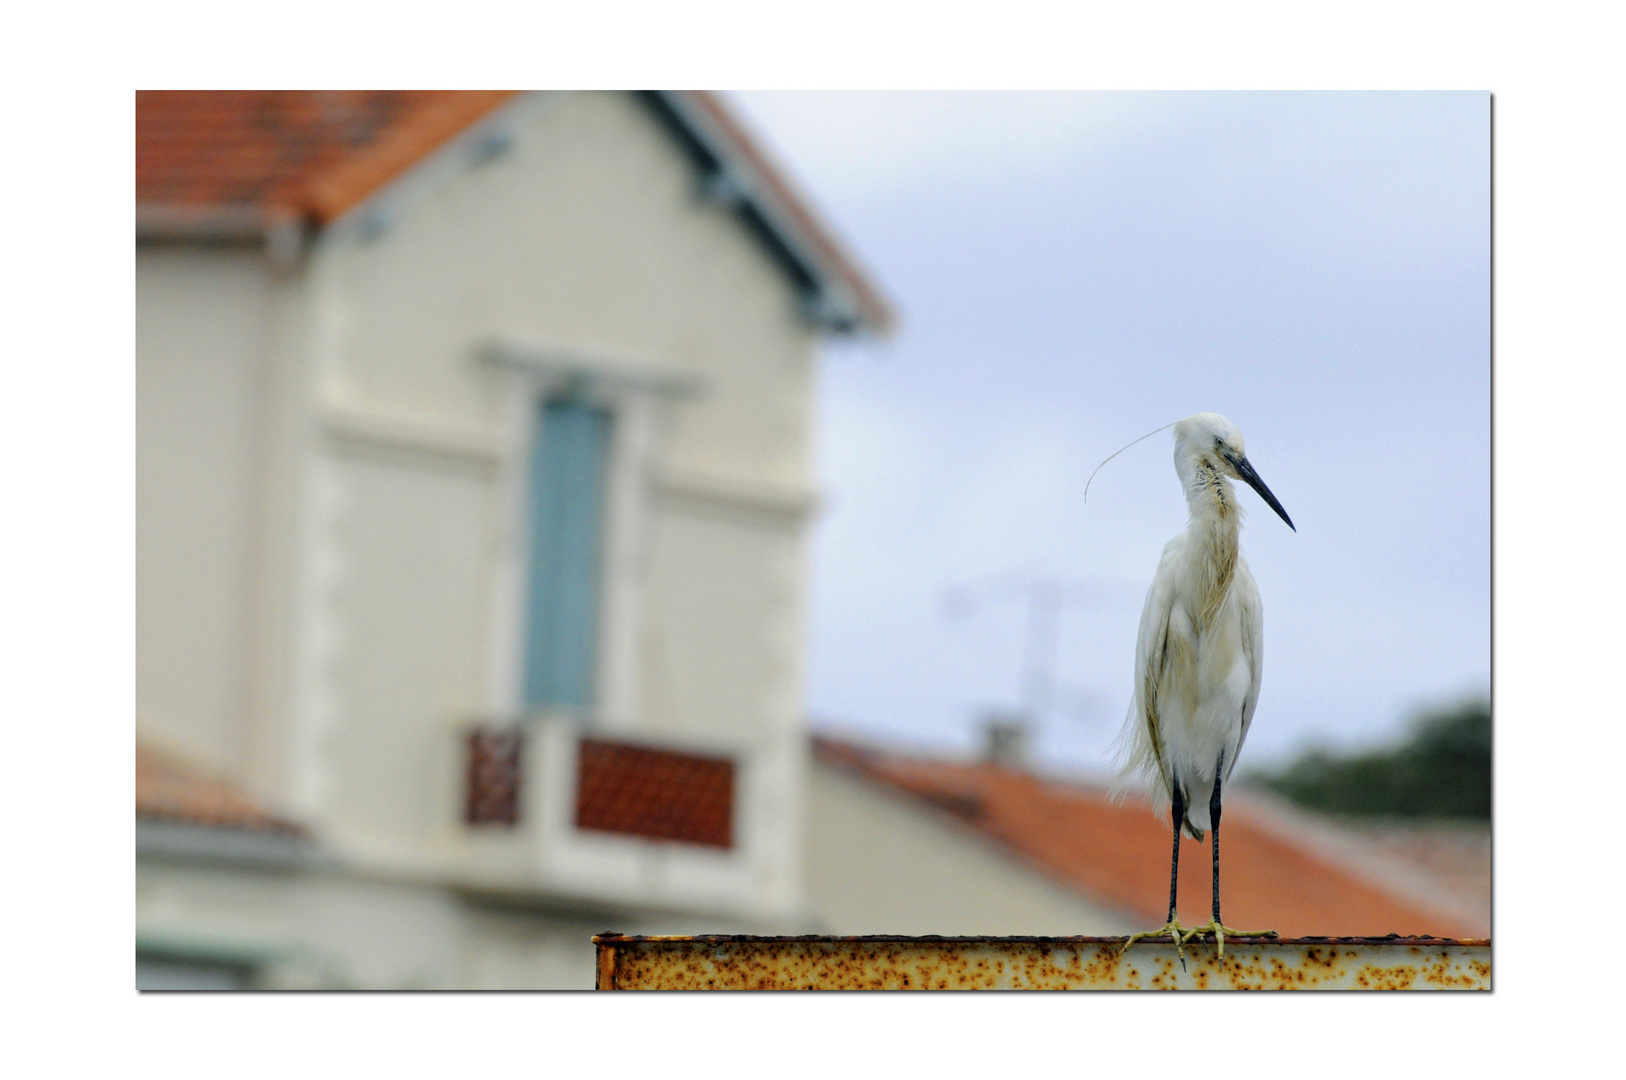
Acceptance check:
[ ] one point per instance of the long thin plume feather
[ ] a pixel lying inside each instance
(1101, 466)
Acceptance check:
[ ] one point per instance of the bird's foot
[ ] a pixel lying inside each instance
(1219, 930)
(1172, 929)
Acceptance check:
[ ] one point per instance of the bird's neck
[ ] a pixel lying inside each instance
(1209, 493)
(1216, 523)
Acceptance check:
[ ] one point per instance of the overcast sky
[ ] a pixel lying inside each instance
(1076, 270)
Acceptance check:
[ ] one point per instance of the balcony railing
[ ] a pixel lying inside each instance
(654, 793)
(492, 779)
(624, 788)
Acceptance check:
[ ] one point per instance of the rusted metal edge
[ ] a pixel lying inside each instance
(937, 962)
(605, 978)
(610, 937)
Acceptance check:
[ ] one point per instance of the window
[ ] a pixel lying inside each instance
(568, 467)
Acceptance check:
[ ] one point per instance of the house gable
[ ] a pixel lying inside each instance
(585, 233)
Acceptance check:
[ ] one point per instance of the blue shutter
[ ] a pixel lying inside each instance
(567, 530)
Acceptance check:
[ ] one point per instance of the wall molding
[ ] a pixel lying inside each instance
(375, 427)
(613, 372)
(739, 493)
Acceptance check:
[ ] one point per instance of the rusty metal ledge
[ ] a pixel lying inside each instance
(884, 962)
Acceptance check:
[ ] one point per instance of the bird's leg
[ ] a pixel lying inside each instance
(1214, 822)
(1172, 927)
(1215, 926)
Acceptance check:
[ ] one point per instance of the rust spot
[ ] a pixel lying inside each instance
(1371, 977)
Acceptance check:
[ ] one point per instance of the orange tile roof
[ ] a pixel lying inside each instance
(300, 153)
(1118, 853)
(169, 790)
(252, 158)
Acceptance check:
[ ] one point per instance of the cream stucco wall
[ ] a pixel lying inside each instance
(881, 863)
(586, 235)
(200, 374)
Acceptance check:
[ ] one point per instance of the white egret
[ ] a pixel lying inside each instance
(1199, 654)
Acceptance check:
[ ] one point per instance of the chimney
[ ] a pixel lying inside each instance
(1005, 739)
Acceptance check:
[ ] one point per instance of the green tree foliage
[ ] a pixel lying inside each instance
(1442, 771)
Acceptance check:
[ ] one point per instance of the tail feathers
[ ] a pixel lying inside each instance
(1195, 820)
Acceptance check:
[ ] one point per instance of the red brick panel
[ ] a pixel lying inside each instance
(655, 794)
(492, 786)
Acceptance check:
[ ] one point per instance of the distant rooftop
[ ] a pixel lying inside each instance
(1118, 853)
(173, 791)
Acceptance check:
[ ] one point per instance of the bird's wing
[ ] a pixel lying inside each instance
(1251, 611)
(1152, 649)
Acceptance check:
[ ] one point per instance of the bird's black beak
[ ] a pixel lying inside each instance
(1251, 478)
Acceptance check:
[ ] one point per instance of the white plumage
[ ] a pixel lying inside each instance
(1199, 656)
(1200, 651)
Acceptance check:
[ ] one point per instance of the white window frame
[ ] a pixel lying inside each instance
(633, 392)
